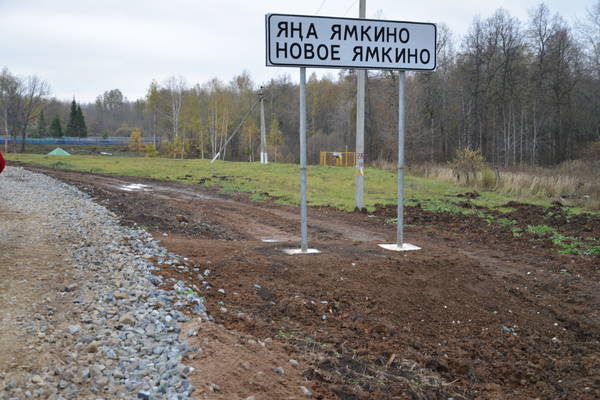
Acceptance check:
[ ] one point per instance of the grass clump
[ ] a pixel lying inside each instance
(540, 230)
(488, 179)
(507, 222)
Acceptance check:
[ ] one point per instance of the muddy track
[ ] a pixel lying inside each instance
(258, 221)
(477, 314)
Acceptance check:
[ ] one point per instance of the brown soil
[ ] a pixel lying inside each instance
(477, 313)
(237, 366)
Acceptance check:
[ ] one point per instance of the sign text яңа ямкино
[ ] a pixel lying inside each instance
(311, 41)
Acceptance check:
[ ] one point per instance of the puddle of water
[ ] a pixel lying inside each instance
(135, 187)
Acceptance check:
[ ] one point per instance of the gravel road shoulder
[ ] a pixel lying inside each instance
(82, 314)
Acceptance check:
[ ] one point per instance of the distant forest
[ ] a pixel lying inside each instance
(522, 92)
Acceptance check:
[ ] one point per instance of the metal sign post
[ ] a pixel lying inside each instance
(303, 174)
(303, 207)
(401, 132)
(400, 245)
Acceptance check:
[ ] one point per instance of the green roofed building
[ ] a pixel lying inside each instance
(58, 152)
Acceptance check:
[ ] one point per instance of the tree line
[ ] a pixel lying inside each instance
(24, 104)
(521, 92)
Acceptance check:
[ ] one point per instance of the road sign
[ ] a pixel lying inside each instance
(327, 42)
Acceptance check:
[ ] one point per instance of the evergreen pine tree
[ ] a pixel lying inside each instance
(81, 126)
(71, 130)
(56, 128)
(42, 127)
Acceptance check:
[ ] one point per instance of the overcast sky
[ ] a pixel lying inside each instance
(85, 47)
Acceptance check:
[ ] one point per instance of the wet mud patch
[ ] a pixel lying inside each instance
(134, 208)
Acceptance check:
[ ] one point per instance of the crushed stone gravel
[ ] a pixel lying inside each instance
(124, 337)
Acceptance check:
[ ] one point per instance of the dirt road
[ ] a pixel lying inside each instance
(477, 313)
(28, 267)
(34, 305)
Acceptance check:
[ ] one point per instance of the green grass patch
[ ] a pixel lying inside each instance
(565, 244)
(517, 232)
(190, 292)
(507, 222)
(540, 230)
(568, 244)
(327, 186)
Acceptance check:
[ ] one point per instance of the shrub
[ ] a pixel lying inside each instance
(467, 163)
(178, 148)
(135, 141)
(151, 150)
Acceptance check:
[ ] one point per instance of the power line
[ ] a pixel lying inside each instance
(320, 7)
(379, 14)
(350, 8)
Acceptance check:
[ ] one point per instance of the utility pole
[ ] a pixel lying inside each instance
(264, 159)
(361, 77)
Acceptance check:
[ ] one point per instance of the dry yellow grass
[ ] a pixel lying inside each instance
(575, 183)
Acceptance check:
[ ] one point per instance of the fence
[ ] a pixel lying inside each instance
(74, 141)
(338, 158)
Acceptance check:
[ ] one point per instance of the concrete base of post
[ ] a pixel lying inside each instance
(294, 252)
(264, 158)
(404, 247)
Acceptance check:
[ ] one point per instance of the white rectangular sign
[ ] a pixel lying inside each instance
(311, 41)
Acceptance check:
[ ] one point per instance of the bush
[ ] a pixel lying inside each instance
(178, 148)
(135, 141)
(151, 150)
(467, 164)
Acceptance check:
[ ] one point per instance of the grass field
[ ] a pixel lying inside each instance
(328, 186)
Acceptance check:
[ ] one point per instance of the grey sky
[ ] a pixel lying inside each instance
(84, 47)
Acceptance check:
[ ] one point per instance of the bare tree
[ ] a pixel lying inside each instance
(9, 89)
(167, 102)
(21, 100)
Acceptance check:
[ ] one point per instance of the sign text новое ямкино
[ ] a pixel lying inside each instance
(294, 40)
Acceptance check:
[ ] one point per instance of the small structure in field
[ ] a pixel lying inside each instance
(58, 152)
(338, 158)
